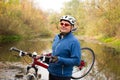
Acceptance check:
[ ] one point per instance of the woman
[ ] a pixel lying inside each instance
(65, 51)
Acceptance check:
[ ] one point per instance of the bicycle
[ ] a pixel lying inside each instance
(87, 62)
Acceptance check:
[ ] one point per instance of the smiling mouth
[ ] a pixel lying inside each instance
(63, 28)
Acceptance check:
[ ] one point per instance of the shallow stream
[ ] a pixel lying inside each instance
(107, 64)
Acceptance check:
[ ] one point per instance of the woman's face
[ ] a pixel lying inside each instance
(65, 27)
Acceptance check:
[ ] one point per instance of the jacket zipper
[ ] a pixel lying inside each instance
(62, 69)
(58, 43)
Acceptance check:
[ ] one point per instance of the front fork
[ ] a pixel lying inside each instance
(37, 76)
(36, 62)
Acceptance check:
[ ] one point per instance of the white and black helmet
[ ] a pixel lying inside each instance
(68, 18)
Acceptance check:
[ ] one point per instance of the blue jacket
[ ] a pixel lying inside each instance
(69, 55)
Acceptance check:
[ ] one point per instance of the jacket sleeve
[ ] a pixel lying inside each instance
(75, 56)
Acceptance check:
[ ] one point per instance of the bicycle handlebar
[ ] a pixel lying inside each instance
(15, 49)
(34, 56)
(44, 58)
(22, 53)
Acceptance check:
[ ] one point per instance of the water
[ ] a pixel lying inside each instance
(106, 65)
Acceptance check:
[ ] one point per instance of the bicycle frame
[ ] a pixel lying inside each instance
(36, 62)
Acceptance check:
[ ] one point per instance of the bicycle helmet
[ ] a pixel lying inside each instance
(68, 18)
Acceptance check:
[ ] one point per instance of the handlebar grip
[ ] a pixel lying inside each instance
(17, 50)
(14, 49)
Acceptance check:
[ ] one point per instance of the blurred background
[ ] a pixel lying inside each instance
(32, 24)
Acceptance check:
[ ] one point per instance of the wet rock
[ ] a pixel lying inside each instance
(19, 75)
(11, 71)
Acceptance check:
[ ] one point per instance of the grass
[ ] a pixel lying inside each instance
(9, 38)
(107, 39)
(112, 41)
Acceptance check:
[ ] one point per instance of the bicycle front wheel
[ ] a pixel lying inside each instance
(87, 62)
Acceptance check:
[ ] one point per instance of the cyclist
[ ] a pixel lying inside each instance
(65, 51)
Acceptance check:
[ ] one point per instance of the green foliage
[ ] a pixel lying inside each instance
(93, 19)
(10, 38)
(54, 21)
(116, 42)
(96, 19)
(13, 1)
(107, 39)
(111, 41)
(21, 18)
(110, 17)
(75, 8)
(71, 7)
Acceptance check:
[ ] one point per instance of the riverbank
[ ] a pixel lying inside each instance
(110, 42)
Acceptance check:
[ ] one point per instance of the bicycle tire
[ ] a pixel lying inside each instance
(87, 54)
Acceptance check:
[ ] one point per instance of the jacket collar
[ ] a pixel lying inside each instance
(62, 35)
